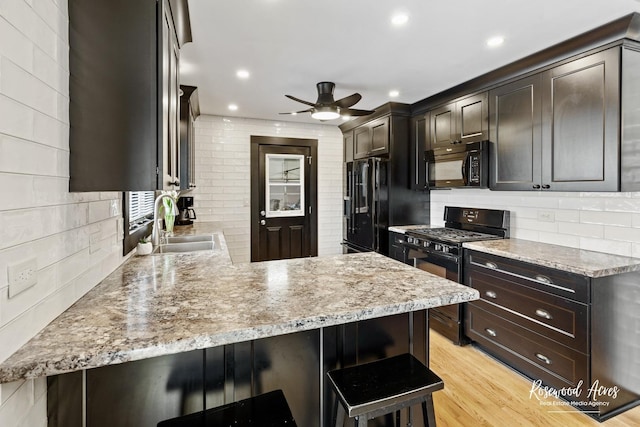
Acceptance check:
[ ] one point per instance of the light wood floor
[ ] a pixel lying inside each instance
(479, 391)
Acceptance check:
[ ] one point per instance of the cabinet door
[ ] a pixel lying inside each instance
(361, 142)
(442, 124)
(169, 145)
(417, 147)
(348, 147)
(472, 119)
(516, 135)
(581, 117)
(380, 137)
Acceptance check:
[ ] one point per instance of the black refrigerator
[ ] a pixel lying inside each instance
(366, 205)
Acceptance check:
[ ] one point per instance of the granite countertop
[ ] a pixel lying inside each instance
(579, 261)
(162, 304)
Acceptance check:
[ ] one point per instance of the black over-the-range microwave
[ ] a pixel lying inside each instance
(460, 165)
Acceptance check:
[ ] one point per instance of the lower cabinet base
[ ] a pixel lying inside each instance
(561, 370)
(145, 392)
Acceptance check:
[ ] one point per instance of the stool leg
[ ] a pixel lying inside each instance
(428, 411)
(361, 421)
(397, 418)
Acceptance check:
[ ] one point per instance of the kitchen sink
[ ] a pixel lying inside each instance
(190, 239)
(184, 247)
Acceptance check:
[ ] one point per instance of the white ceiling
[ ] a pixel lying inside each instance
(290, 45)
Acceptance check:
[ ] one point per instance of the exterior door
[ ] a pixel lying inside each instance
(283, 198)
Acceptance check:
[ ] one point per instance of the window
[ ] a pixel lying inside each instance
(140, 208)
(284, 185)
(138, 216)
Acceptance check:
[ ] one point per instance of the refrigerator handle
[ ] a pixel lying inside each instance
(375, 205)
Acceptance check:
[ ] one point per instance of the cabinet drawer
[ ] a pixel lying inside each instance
(532, 354)
(558, 318)
(562, 283)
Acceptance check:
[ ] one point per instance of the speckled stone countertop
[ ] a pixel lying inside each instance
(162, 304)
(587, 263)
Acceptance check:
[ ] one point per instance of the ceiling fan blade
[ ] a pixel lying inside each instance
(354, 112)
(348, 101)
(300, 100)
(298, 112)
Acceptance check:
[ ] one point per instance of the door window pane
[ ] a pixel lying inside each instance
(284, 184)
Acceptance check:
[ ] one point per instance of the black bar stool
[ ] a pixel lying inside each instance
(265, 410)
(385, 386)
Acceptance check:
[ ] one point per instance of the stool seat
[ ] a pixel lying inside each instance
(265, 410)
(384, 386)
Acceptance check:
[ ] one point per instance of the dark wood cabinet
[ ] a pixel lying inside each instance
(397, 250)
(516, 135)
(580, 124)
(560, 130)
(417, 147)
(552, 325)
(348, 147)
(463, 121)
(189, 112)
(123, 91)
(372, 139)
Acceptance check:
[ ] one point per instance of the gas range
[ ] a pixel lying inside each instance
(461, 225)
(444, 239)
(439, 251)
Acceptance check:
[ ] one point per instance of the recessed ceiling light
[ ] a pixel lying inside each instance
(242, 74)
(399, 19)
(394, 93)
(345, 118)
(233, 107)
(495, 41)
(294, 113)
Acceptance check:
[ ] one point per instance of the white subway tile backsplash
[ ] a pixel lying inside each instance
(20, 50)
(605, 218)
(23, 87)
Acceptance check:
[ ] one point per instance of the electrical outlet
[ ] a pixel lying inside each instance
(546, 216)
(22, 276)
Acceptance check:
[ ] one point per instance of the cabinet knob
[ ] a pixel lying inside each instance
(263, 222)
(491, 294)
(544, 279)
(491, 332)
(175, 183)
(546, 186)
(491, 265)
(544, 314)
(536, 186)
(543, 358)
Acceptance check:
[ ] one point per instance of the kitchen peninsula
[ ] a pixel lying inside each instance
(197, 330)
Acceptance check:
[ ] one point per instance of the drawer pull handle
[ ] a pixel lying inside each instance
(544, 279)
(544, 314)
(491, 332)
(543, 358)
(491, 265)
(491, 294)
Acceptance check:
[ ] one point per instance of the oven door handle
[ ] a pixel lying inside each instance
(420, 254)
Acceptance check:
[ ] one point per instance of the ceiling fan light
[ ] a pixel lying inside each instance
(325, 113)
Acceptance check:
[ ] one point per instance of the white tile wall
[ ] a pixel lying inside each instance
(223, 177)
(76, 238)
(604, 222)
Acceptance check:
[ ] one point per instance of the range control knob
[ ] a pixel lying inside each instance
(437, 247)
(445, 249)
(425, 244)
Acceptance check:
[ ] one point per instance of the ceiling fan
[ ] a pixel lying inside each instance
(326, 108)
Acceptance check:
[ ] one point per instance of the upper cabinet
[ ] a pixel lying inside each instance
(417, 146)
(559, 129)
(189, 112)
(372, 139)
(516, 135)
(462, 121)
(124, 94)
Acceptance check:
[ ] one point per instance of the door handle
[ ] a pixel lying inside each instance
(263, 222)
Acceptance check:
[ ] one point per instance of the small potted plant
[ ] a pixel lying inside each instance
(145, 247)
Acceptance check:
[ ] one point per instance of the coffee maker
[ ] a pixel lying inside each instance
(186, 214)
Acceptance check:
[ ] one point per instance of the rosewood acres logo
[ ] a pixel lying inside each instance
(595, 396)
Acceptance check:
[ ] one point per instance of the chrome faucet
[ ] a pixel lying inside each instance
(155, 233)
